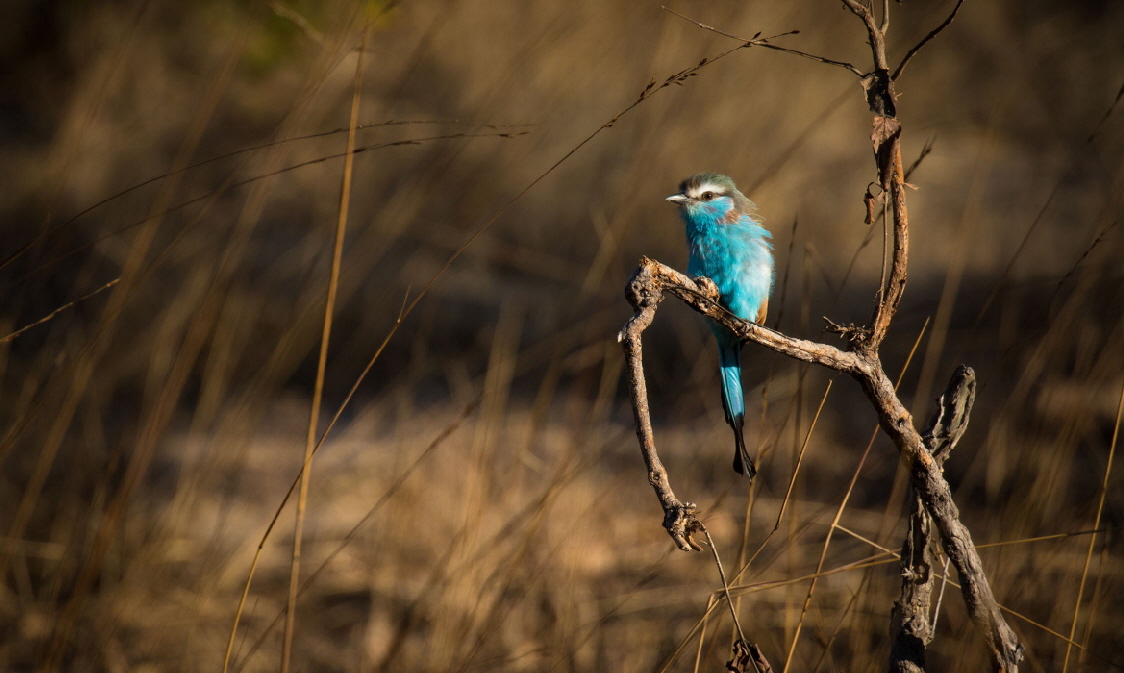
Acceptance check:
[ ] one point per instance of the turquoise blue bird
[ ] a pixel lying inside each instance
(728, 245)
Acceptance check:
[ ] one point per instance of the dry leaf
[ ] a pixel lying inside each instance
(884, 129)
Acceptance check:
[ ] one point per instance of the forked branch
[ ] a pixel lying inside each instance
(911, 627)
(652, 281)
(924, 455)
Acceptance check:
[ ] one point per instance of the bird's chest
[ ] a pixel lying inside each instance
(738, 261)
(719, 251)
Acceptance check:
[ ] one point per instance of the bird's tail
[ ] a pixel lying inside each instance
(733, 403)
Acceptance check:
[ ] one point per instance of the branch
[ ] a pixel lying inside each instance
(910, 625)
(950, 420)
(757, 42)
(881, 98)
(886, 137)
(877, 35)
(647, 288)
(933, 490)
(924, 454)
(888, 153)
(926, 475)
(651, 279)
(933, 33)
(679, 517)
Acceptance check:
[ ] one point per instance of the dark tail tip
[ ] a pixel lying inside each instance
(743, 464)
(740, 464)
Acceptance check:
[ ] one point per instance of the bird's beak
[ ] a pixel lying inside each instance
(677, 198)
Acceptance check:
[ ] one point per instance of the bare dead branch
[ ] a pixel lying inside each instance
(929, 483)
(924, 454)
(933, 33)
(886, 137)
(651, 279)
(950, 420)
(877, 35)
(647, 288)
(725, 584)
(758, 42)
(925, 151)
(679, 517)
(911, 627)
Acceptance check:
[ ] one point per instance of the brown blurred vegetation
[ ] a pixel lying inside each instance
(150, 431)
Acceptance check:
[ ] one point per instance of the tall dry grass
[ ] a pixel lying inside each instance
(481, 506)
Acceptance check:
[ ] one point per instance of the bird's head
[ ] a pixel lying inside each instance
(711, 196)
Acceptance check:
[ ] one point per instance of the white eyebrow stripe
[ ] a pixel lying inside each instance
(704, 188)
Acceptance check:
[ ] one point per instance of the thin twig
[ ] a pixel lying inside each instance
(231, 183)
(940, 596)
(756, 41)
(744, 653)
(933, 33)
(227, 155)
(58, 310)
(877, 36)
(1106, 115)
(925, 150)
(725, 585)
(1092, 246)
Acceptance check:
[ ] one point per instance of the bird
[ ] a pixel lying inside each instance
(727, 244)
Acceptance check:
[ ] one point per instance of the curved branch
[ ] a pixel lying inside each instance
(911, 627)
(652, 281)
(653, 278)
(679, 517)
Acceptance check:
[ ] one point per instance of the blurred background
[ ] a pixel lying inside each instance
(482, 504)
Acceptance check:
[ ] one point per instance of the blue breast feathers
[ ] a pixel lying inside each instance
(737, 257)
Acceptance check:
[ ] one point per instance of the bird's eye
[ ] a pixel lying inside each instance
(708, 196)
